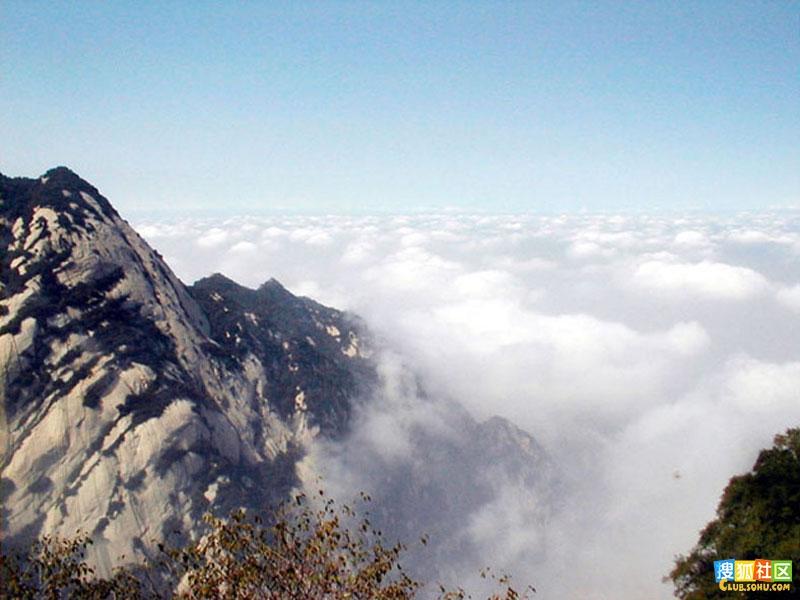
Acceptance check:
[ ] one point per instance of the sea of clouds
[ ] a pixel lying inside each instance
(652, 356)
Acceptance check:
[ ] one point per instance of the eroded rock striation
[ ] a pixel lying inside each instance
(131, 404)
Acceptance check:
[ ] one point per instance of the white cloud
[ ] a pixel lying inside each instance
(150, 232)
(635, 348)
(314, 236)
(412, 268)
(483, 283)
(790, 297)
(272, 232)
(749, 237)
(706, 279)
(533, 263)
(692, 238)
(358, 251)
(243, 247)
(757, 387)
(589, 249)
(688, 338)
(213, 237)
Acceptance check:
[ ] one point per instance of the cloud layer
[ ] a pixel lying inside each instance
(652, 356)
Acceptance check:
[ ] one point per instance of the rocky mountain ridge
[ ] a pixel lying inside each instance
(131, 404)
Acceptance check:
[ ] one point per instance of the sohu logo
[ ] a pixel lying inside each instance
(753, 570)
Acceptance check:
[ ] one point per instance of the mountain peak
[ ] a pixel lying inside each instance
(272, 289)
(216, 279)
(64, 178)
(273, 285)
(59, 189)
(60, 171)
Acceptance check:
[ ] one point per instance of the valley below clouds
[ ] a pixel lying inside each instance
(651, 356)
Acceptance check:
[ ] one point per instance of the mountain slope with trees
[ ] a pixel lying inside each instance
(758, 517)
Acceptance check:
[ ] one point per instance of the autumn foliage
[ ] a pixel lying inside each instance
(309, 549)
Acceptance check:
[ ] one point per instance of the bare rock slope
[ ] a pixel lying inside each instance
(131, 404)
(126, 412)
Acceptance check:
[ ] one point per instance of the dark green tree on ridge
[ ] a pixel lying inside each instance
(758, 517)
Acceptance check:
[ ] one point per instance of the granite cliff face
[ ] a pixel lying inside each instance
(131, 404)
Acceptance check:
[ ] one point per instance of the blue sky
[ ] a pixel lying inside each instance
(388, 107)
